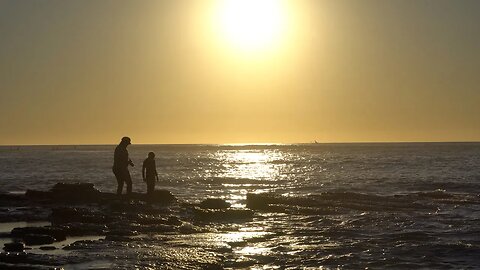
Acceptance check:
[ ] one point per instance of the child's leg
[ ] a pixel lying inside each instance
(150, 186)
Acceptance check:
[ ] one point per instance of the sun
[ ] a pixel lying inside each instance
(251, 25)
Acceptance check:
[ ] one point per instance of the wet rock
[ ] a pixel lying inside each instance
(162, 196)
(38, 261)
(81, 244)
(73, 188)
(77, 192)
(79, 229)
(222, 215)
(18, 257)
(148, 219)
(38, 239)
(211, 203)
(125, 227)
(117, 238)
(241, 263)
(48, 248)
(38, 195)
(57, 233)
(24, 213)
(14, 247)
(237, 244)
(159, 228)
(259, 201)
(24, 261)
(82, 215)
(130, 207)
(173, 220)
(138, 219)
(189, 228)
(212, 266)
(68, 214)
(22, 266)
(70, 193)
(63, 192)
(263, 259)
(10, 200)
(122, 232)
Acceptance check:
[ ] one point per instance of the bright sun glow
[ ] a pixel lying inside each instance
(252, 25)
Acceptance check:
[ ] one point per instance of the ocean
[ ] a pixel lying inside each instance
(398, 205)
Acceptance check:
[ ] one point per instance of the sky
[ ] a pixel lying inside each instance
(216, 71)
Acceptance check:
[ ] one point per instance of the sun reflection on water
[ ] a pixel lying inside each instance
(246, 241)
(242, 171)
(250, 164)
(240, 236)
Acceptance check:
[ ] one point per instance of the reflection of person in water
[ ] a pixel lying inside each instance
(120, 166)
(149, 172)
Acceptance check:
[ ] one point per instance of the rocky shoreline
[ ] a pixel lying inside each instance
(80, 210)
(83, 228)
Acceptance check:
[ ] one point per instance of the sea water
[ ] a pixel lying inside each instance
(409, 204)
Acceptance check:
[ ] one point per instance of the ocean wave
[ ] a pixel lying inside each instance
(329, 202)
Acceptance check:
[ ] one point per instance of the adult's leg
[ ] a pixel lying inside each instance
(120, 181)
(128, 180)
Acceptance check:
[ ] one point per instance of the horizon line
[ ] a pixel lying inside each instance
(249, 144)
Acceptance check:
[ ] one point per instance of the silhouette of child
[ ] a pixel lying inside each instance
(149, 172)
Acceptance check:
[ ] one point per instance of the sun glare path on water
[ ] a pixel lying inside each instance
(251, 25)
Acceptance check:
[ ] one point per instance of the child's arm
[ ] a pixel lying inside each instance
(155, 167)
(143, 171)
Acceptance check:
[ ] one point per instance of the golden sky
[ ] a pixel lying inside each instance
(239, 71)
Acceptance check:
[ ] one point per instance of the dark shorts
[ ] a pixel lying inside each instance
(122, 175)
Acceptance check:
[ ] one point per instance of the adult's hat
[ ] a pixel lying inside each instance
(126, 139)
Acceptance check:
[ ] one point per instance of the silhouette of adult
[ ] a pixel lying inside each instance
(120, 166)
